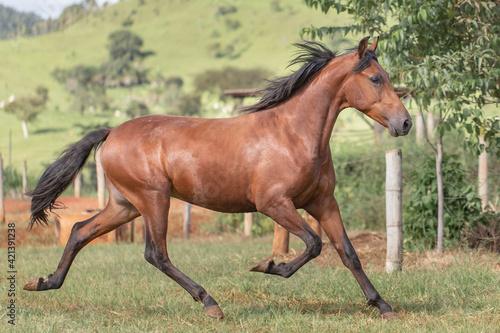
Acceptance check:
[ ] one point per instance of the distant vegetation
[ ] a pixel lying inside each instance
(87, 84)
(27, 108)
(15, 24)
(218, 80)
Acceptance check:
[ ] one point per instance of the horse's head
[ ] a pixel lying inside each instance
(368, 89)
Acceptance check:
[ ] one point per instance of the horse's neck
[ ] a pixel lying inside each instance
(312, 112)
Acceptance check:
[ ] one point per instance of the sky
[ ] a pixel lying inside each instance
(45, 8)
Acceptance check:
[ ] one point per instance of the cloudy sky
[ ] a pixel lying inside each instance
(45, 8)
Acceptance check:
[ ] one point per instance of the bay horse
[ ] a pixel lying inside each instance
(275, 158)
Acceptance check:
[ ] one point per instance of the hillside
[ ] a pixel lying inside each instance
(181, 34)
(14, 23)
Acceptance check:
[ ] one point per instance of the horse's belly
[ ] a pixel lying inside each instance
(224, 191)
(211, 199)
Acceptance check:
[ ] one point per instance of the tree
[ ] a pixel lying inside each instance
(27, 108)
(445, 51)
(86, 85)
(124, 65)
(136, 108)
(123, 44)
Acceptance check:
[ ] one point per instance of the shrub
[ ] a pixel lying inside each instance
(360, 188)
(461, 204)
(484, 231)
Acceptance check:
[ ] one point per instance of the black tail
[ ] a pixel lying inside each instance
(60, 174)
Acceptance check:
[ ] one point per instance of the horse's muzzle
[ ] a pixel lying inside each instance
(401, 127)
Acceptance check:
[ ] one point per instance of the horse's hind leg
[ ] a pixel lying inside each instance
(117, 212)
(328, 214)
(155, 217)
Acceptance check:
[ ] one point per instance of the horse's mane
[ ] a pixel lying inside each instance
(314, 56)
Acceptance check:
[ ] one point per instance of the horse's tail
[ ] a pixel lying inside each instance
(60, 174)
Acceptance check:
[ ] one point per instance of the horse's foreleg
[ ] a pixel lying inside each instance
(83, 233)
(328, 214)
(156, 220)
(287, 216)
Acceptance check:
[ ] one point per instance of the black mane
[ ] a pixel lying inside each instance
(314, 56)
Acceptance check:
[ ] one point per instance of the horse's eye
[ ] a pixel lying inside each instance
(376, 79)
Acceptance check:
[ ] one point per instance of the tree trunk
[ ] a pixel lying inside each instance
(430, 125)
(419, 127)
(483, 175)
(378, 130)
(25, 129)
(439, 178)
(78, 185)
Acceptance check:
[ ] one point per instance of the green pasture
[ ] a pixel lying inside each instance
(180, 33)
(111, 288)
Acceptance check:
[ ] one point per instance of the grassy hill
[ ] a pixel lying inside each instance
(182, 34)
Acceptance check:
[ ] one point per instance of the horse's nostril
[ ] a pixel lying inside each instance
(406, 125)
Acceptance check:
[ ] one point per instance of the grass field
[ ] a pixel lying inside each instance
(111, 288)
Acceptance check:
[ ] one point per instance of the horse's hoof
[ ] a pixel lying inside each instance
(214, 311)
(263, 266)
(33, 284)
(390, 315)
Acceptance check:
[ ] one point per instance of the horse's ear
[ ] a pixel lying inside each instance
(363, 44)
(373, 47)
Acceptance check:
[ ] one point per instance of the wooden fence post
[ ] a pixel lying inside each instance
(10, 150)
(2, 203)
(394, 210)
(281, 240)
(187, 219)
(483, 175)
(248, 224)
(101, 181)
(132, 231)
(25, 178)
